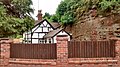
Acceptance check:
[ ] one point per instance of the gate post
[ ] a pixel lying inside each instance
(117, 50)
(62, 51)
(4, 51)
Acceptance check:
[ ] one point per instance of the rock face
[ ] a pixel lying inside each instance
(96, 28)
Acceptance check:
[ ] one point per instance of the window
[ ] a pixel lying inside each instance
(42, 41)
(49, 40)
(45, 40)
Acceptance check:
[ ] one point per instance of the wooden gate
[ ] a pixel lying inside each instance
(91, 49)
(33, 51)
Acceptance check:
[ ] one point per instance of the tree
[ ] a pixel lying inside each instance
(47, 16)
(80, 8)
(62, 8)
(54, 18)
(65, 13)
(15, 20)
(18, 8)
(67, 20)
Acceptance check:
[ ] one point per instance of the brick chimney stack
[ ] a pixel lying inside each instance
(39, 15)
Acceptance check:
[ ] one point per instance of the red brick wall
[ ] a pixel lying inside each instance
(62, 52)
(62, 57)
(5, 51)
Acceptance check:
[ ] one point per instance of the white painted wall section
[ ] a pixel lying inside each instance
(34, 40)
(35, 35)
(61, 33)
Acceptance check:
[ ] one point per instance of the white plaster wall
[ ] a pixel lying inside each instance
(39, 29)
(34, 40)
(24, 35)
(45, 26)
(45, 23)
(35, 35)
(35, 28)
(45, 29)
(50, 29)
(29, 36)
(48, 25)
(61, 33)
(41, 35)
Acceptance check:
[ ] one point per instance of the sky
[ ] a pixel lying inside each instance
(48, 6)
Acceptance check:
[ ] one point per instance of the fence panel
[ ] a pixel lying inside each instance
(0, 50)
(33, 51)
(91, 49)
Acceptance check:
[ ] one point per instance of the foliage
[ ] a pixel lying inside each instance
(47, 15)
(71, 11)
(15, 20)
(79, 8)
(67, 20)
(62, 8)
(54, 18)
(18, 8)
(112, 6)
(64, 13)
(51, 18)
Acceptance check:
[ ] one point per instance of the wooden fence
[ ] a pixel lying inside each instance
(33, 51)
(91, 49)
(0, 50)
(76, 49)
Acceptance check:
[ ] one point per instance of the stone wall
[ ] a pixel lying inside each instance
(99, 28)
(62, 57)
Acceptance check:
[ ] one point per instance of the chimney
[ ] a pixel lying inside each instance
(39, 15)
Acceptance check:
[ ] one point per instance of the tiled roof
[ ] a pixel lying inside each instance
(38, 21)
(52, 33)
(54, 24)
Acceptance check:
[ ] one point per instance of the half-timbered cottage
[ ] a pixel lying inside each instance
(44, 32)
